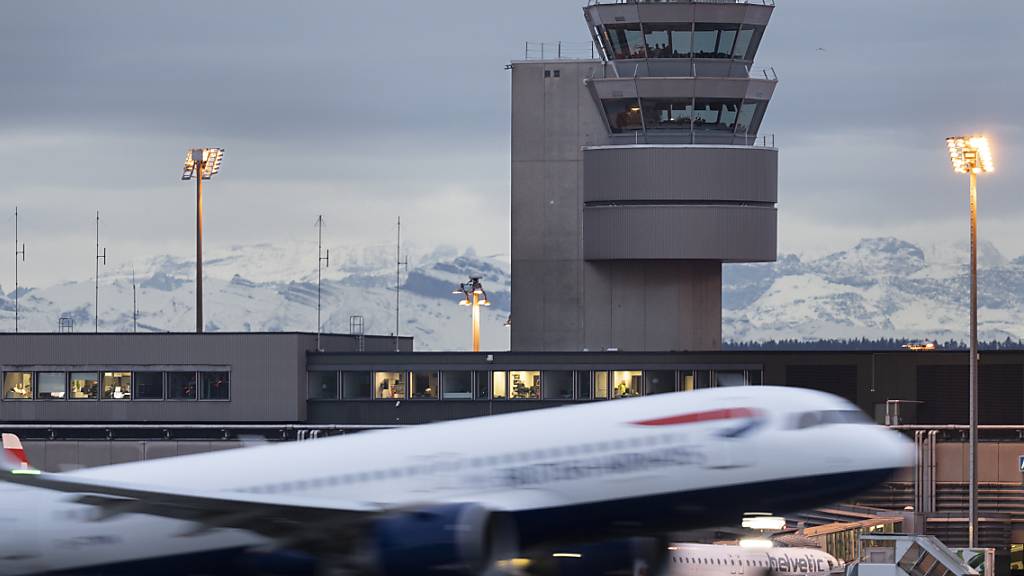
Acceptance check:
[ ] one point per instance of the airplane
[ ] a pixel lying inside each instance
(487, 495)
(727, 560)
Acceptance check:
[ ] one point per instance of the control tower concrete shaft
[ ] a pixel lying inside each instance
(636, 175)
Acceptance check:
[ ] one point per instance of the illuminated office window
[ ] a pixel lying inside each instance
(51, 386)
(583, 385)
(524, 385)
(356, 386)
(557, 385)
(214, 385)
(483, 384)
(602, 385)
(322, 385)
(181, 385)
(458, 385)
(148, 385)
(626, 383)
(687, 382)
(660, 381)
(499, 381)
(117, 385)
(389, 385)
(424, 385)
(84, 385)
(17, 385)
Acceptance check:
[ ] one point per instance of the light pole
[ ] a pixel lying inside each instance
(202, 163)
(473, 295)
(972, 155)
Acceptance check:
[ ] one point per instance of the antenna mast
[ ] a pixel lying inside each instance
(17, 253)
(99, 256)
(323, 260)
(399, 263)
(135, 305)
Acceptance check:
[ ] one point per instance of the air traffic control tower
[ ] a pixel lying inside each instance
(637, 173)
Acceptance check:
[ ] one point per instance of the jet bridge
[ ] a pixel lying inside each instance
(907, 555)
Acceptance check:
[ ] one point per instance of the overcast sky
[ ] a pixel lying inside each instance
(369, 110)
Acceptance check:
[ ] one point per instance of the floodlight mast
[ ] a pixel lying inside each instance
(972, 155)
(202, 163)
(17, 252)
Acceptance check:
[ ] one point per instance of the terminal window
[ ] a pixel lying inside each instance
(602, 385)
(626, 383)
(499, 381)
(117, 385)
(356, 386)
(557, 385)
(215, 385)
(51, 386)
(583, 385)
(389, 385)
(458, 385)
(661, 381)
(181, 385)
(524, 384)
(322, 385)
(17, 385)
(483, 384)
(424, 385)
(84, 385)
(148, 385)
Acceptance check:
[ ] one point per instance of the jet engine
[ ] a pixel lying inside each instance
(450, 539)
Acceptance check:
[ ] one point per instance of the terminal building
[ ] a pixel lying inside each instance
(637, 174)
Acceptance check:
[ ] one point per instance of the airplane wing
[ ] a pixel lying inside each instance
(281, 517)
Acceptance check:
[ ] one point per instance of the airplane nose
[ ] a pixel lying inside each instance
(894, 450)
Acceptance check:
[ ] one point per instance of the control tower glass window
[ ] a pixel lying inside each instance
(627, 41)
(623, 115)
(714, 40)
(746, 117)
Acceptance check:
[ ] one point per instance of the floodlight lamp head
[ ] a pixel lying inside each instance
(970, 154)
(202, 162)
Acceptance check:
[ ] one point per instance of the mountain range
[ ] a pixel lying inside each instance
(881, 287)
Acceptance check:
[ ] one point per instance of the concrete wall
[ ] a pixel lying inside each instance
(64, 455)
(552, 119)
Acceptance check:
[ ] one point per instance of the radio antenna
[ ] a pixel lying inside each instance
(399, 264)
(323, 261)
(135, 304)
(17, 253)
(99, 256)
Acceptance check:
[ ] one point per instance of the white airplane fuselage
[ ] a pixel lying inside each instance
(565, 475)
(720, 560)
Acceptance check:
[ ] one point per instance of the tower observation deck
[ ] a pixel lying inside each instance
(637, 174)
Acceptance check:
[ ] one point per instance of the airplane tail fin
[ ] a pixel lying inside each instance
(14, 452)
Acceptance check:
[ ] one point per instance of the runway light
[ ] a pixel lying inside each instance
(566, 555)
(756, 543)
(764, 523)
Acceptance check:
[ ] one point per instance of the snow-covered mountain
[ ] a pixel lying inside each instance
(882, 287)
(273, 288)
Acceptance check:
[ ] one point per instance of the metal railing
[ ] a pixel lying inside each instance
(755, 2)
(561, 51)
